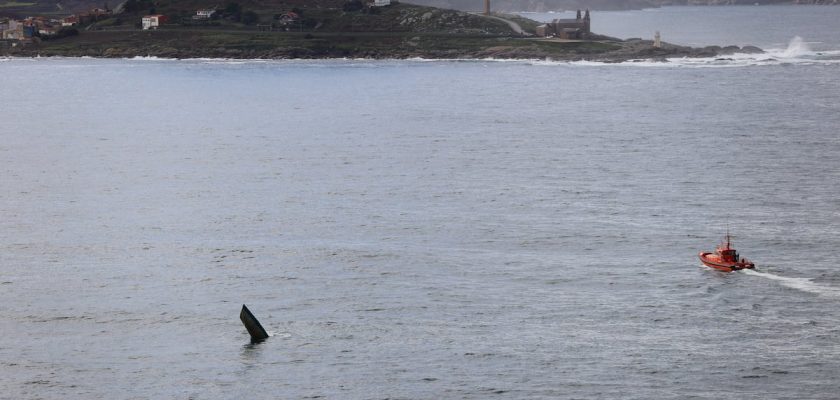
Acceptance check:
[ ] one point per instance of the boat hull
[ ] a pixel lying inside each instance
(712, 260)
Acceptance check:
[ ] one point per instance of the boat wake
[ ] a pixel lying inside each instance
(802, 284)
(281, 335)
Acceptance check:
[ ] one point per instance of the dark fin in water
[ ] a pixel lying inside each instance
(258, 334)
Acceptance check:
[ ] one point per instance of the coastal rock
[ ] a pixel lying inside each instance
(113, 52)
(708, 51)
(751, 50)
(729, 50)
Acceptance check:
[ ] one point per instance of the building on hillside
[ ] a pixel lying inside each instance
(578, 28)
(11, 30)
(100, 12)
(381, 3)
(204, 14)
(153, 21)
(289, 17)
(85, 18)
(32, 25)
(72, 20)
(47, 30)
(29, 31)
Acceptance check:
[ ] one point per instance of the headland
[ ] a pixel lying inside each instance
(286, 29)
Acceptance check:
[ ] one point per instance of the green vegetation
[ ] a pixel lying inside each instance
(218, 43)
(11, 4)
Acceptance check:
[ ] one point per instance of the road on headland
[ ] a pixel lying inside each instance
(513, 25)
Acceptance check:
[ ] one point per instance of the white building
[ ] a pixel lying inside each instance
(11, 29)
(381, 3)
(153, 21)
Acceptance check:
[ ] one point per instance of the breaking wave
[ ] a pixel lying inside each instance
(796, 48)
(802, 284)
(798, 51)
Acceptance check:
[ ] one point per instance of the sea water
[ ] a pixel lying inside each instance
(421, 229)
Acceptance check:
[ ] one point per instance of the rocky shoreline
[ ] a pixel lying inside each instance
(636, 49)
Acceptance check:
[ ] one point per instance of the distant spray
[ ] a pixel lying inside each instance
(796, 48)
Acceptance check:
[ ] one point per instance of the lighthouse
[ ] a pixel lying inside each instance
(486, 7)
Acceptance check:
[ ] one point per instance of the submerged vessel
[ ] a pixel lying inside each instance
(725, 258)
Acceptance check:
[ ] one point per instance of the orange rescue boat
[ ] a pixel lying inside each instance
(725, 258)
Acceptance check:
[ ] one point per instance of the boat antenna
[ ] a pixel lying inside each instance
(727, 236)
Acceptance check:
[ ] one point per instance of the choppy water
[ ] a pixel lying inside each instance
(417, 229)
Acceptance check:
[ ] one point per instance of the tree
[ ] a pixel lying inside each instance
(233, 8)
(233, 11)
(250, 18)
(133, 6)
(353, 5)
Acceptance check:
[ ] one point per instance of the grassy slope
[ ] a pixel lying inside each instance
(186, 43)
(49, 7)
(395, 18)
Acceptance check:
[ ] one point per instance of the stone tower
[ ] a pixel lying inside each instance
(486, 7)
(586, 27)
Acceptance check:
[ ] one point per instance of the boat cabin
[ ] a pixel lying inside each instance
(727, 253)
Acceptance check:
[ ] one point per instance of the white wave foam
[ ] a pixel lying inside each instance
(282, 335)
(803, 284)
(151, 58)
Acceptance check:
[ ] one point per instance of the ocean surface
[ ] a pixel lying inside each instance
(427, 230)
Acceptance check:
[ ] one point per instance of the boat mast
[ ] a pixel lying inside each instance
(727, 237)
